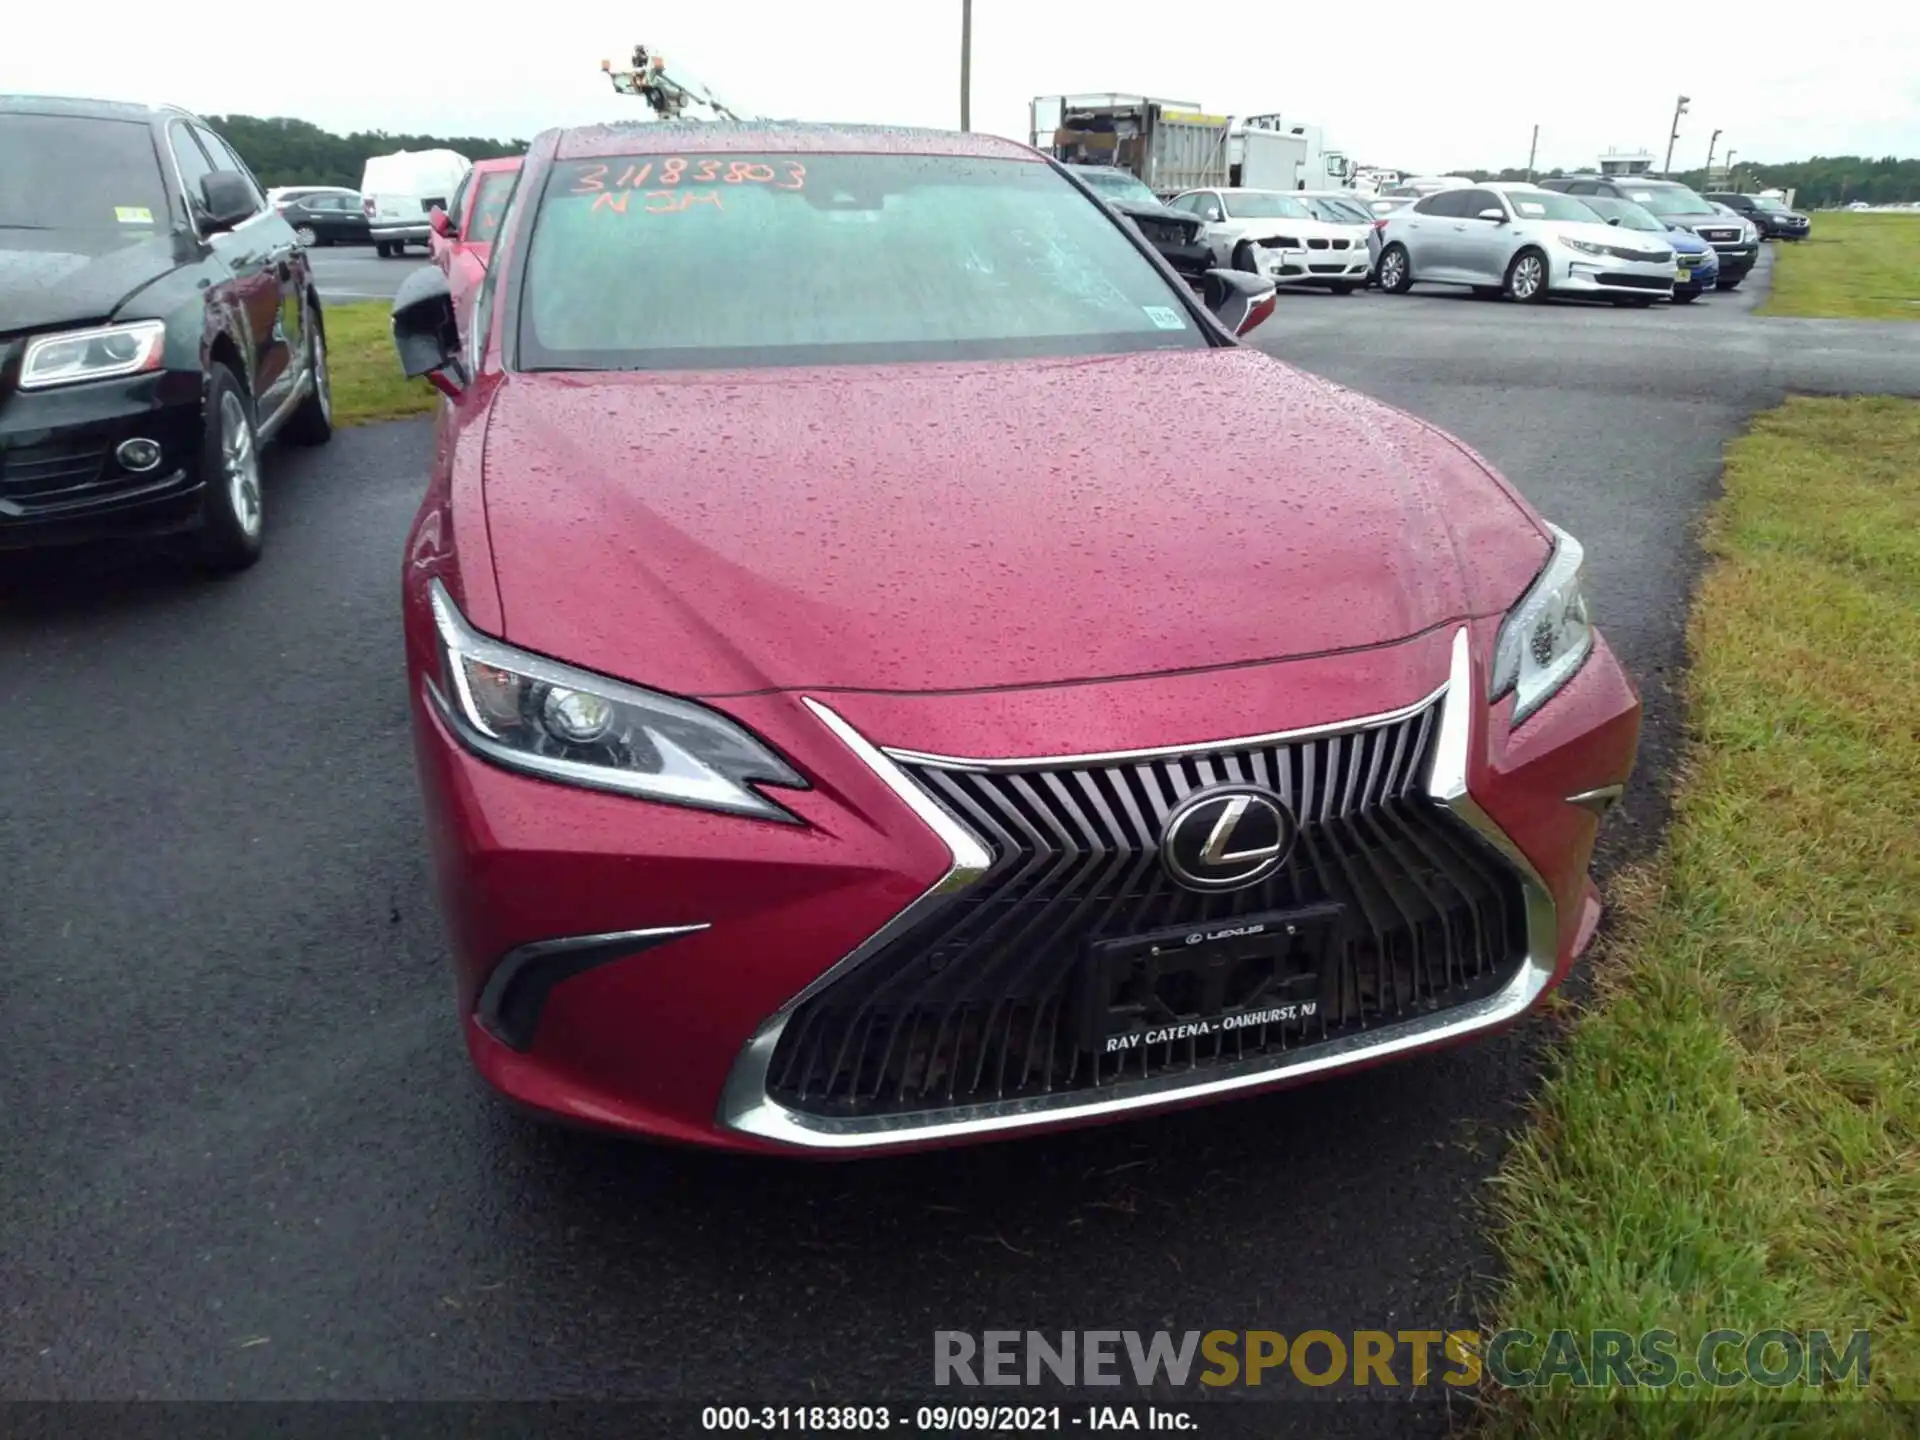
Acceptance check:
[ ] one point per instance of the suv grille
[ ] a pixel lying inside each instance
(986, 999)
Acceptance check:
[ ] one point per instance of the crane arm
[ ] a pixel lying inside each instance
(667, 96)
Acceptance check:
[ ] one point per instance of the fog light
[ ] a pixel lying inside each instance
(138, 455)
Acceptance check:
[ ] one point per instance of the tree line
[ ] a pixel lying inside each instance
(294, 152)
(1823, 180)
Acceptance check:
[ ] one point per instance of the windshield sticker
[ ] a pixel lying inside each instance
(1641, 195)
(669, 173)
(1162, 317)
(133, 214)
(1530, 207)
(656, 202)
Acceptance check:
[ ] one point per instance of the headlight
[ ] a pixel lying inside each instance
(1548, 635)
(1585, 247)
(102, 354)
(1750, 234)
(528, 713)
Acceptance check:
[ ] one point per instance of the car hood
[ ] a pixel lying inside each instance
(1598, 232)
(1309, 229)
(979, 525)
(1685, 241)
(51, 278)
(1140, 210)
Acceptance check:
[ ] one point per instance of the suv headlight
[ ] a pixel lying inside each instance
(525, 712)
(1548, 635)
(1749, 233)
(104, 353)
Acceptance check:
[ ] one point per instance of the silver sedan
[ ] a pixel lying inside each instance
(1522, 241)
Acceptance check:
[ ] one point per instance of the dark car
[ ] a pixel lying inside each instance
(1770, 217)
(328, 217)
(1174, 233)
(889, 667)
(158, 324)
(1735, 243)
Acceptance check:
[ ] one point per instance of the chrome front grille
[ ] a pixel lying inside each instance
(982, 1001)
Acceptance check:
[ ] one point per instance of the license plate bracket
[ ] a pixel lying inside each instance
(1206, 980)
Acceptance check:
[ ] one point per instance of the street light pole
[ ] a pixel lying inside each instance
(1533, 150)
(966, 64)
(1731, 183)
(1710, 144)
(1678, 110)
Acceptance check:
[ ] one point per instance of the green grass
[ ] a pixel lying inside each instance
(1852, 267)
(1731, 1134)
(367, 383)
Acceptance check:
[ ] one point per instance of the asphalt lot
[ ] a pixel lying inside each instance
(240, 1152)
(354, 272)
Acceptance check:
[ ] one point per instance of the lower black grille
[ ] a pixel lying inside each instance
(1636, 282)
(985, 1000)
(42, 471)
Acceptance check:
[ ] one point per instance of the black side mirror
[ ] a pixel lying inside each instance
(1613, 220)
(1238, 299)
(225, 199)
(425, 333)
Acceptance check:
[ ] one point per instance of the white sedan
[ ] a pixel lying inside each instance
(1271, 233)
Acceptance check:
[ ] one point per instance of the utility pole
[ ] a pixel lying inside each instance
(966, 64)
(1533, 150)
(1710, 144)
(1678, 110)
(1732, 183)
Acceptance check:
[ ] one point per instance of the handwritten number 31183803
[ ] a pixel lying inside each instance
(615, 192)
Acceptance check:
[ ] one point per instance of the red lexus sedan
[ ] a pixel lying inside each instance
(890, 668)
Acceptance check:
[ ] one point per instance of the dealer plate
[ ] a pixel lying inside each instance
(1206, 980)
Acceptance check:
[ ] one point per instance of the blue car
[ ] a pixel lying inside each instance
(1699, 265)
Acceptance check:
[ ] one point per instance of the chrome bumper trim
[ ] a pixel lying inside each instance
(746, 1107)
(515, 995)
(1600, 800)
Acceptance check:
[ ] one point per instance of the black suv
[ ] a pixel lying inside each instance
(158, 325)
(1773, 220)
(1675, 204)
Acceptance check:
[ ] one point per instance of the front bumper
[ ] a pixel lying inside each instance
(1736, 260)
(1699, 277)
(702, 937)
(1314, 262)
(386, 232)
(1191, 261)
(1576, 273)
(60, 482)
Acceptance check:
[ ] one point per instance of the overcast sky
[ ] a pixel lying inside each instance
(1418, 86)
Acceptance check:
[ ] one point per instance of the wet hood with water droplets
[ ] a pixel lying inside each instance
(965, 526)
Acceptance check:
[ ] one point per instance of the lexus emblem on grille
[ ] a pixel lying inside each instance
(1227, 837)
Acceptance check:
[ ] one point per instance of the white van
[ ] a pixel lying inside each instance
(398, 191)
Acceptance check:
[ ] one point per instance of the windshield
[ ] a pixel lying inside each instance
(1264, 205)
(672, 262)
(1548, 205)
(1336, 212)
(1766, 202)
(1117, 184)
(1669, 200)
(1630, 215)
(490, 204)
(71, 172)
